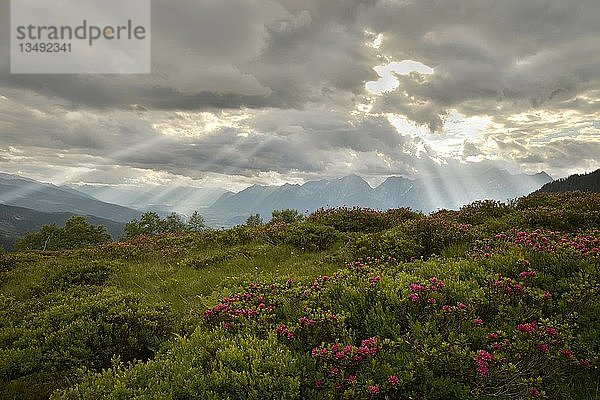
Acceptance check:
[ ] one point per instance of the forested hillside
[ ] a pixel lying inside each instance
(585, 182)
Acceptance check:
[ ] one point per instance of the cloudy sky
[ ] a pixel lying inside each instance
(273, 91)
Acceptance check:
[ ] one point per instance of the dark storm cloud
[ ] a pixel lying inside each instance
(299, 68)
(504, 56)
(221, 54)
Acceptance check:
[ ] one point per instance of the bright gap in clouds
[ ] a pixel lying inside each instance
(388, 81)
(458, 129)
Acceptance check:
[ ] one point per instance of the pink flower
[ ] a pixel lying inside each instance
(550, 331)
(543, 347)
(319, 384)
(306, 321)
(417, 288)
(484, 355)
(527, 328)
(493, 335)
(478, 321)
(482, 359)
(548, 295)
(393, 379)
(431, 300)
(375, 279)
(446, 308)
(462, 306)
(518, 288)
(334, 371)
(374, 389)
(526, 274)
(534, 392)
(352, 379)
(567, 353)
(413, 297)
(585, 363)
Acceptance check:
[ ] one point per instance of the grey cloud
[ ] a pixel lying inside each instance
(300, 67)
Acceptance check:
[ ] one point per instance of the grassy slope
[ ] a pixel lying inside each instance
(175, 278)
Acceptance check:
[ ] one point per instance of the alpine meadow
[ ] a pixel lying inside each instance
(300, 200)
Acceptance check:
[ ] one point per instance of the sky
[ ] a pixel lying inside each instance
(270, 91)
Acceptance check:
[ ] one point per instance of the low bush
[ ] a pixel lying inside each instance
(352, 219)
(207, 365)
(310, 236)
(394, 244)
(45, 341)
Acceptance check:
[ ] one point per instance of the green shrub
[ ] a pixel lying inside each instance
(391, 244)
(208, 365)
(434, 234)
(310, 237)
(49, 338)
(352, 219)
(93, 273)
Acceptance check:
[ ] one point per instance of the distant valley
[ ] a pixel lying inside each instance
(16, 221)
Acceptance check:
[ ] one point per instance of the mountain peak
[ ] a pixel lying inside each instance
(543, 174)
(353, 179)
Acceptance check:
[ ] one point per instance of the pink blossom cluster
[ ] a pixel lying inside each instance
(482, 360)
(528, 327)
(304, 321)
(507, 285)
(356, 266)
(527, 274)
(284, 331)
(247, 305)
(357, 354)
(373, 389)
(425, 290)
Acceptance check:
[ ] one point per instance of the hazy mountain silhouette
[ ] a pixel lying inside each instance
(44, 197)
(162, 199)
(440, 189)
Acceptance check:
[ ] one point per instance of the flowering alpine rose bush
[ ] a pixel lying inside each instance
(561, 211)
(359, 219)
(493, 301)
(462, 329)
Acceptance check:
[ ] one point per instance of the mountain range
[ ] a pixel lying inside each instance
(436, 191)
(26, 204)
(161, 199)
(27, 193)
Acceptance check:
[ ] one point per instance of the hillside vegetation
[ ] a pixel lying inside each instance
(586, 182)
(494, 301)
